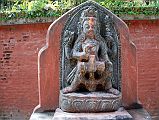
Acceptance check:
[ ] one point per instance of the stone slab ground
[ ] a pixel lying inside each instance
(42, 116)
(137, 114)
(117, 115)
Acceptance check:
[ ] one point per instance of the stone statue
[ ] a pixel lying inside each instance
(94, 69)
(87, 67)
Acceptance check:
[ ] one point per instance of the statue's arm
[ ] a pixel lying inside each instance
(112, 48)
(104, 51)
(105, 57)
(78, 53)
(69, 39)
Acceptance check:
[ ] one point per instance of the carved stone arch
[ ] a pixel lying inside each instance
(49, 59)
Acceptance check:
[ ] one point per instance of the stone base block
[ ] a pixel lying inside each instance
(117, 115)
(88, 102)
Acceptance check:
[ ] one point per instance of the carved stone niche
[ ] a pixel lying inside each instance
(93, 47)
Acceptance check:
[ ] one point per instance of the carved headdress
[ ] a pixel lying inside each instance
(90, 12)
(86, 15)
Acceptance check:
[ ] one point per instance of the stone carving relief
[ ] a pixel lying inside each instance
(90, 63)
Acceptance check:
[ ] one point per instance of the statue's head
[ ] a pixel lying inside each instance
(89, 22)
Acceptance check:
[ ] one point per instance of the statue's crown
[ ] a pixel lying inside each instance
(90, 12)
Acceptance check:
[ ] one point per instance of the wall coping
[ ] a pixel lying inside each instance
(139, 17)
(51, 19)
(28, 20)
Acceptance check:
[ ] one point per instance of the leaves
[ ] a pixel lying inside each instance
(48, 8)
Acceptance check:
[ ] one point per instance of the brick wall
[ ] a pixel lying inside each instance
(146, 38)
(19, 46)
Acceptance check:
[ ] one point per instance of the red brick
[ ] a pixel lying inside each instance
(19, 47)
(144, 34)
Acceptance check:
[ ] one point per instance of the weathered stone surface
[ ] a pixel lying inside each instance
(49, 60)
(89, 102)
(90, 51)
(137, 114)
(90, 61)
(42, 116)
(140, 114)
(118, 115)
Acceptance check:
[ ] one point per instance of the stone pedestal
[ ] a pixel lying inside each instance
(117, 115)
(86, 102)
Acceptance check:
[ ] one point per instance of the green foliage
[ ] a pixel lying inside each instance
(130, 8)
(134, 7)
(33, 9)
(48, 8)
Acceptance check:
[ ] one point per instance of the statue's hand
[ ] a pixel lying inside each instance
(109, 66)
(112, 55)
(84, 56)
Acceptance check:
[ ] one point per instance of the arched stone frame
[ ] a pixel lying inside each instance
(49, 62)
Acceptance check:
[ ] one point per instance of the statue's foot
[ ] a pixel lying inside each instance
(113, 91)
(67, 90)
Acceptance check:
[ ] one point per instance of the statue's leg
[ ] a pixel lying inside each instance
(74, 85)
(108, 86)
(113, 91)
(108, 75)
(76, 82)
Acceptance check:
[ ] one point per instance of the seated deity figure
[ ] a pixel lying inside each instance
(94, 70)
